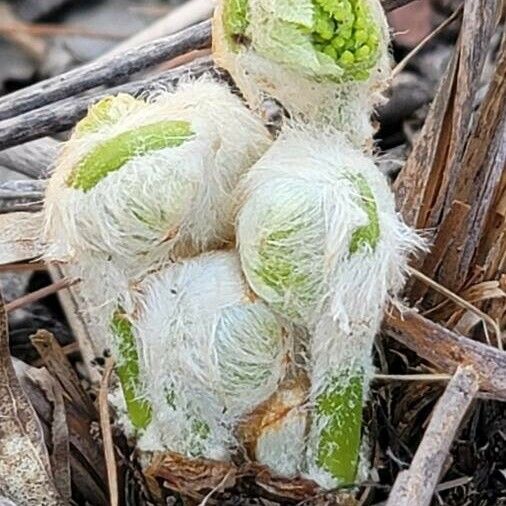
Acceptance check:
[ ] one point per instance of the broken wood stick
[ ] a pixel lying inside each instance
(54, 118)
(21, 195)
(115, 69)
(417, 485)
(33, 159)
(61, 116)
(447, 350)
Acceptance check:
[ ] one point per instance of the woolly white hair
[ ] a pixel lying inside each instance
(158, 205)
(209, 353)
(266, 66)
(320, 242)
(168, 202)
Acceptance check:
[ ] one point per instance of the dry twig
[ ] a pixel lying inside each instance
(21, 195)
(23, 266)
(115, 69)
(32, 297)
(31, 45)
(179, 18)
(447, 350)
(63, 115)
(33, 159)
(55, 30)
(402, 64)
(486, 319)
(417, 485)
(105, 425)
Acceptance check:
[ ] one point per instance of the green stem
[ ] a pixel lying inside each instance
(127, 369)
(339, 414)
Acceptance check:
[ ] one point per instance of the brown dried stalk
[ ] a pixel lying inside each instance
(448, 350)
(23, 267)
(56, 30)
(105, 425)
(32, 297)
(417, 485)
(424, 182)
(454, 179)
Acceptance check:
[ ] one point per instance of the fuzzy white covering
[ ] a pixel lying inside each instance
(166, 204)
(301, 199)
(209, 348)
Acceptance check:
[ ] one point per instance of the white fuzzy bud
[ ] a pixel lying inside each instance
(320, 242)
(208, 351)
(140, 182)
(143, 181)
(323, 61)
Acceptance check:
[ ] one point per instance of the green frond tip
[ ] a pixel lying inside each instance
(113, 153)
(127, 369)
(106, 111)
(345, 31)
(197, 431)
(277, 270)
(281, 268)
(253, 328)
(367, 235)
(235, 17)
(339, 410)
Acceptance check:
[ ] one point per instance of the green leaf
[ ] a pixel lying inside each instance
(107, 111)
(332, 39)
(113, 153)
(127, 369)
(366, 235)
